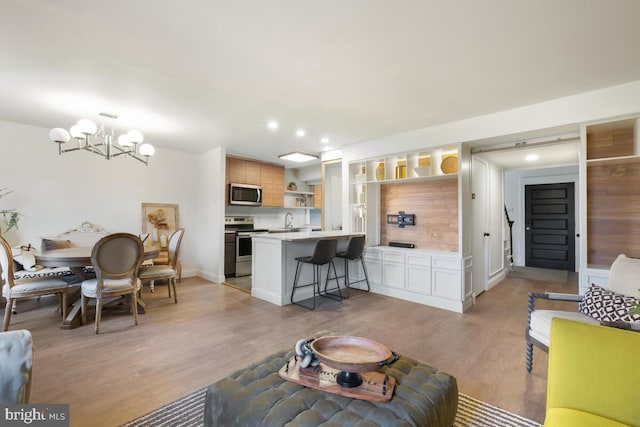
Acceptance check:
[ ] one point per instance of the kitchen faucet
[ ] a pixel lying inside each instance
(288, 220)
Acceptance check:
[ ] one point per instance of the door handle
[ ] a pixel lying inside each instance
(487, 234)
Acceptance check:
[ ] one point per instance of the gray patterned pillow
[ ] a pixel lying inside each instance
(602, 304)
(49, 244)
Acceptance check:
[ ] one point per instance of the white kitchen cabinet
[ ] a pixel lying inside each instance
(393, 266)
(373, 262)
(418, 274)
(426, 277)
(446, 283)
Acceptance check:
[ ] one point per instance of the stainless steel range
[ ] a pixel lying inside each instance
(244, 229)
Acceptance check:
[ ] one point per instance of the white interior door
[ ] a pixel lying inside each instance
(480, 233)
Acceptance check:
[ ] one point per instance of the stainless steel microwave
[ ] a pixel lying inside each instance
(245, 194)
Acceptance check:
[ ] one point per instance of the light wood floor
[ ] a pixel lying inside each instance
(214, 330)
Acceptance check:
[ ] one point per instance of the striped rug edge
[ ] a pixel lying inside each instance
(188, 411)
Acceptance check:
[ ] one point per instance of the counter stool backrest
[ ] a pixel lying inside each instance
(355, 248)
(324, 251)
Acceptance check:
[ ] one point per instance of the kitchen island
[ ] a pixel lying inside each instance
(274, 262)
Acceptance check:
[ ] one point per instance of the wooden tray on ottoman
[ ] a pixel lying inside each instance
(375, 387)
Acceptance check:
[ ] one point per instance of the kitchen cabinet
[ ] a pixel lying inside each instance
(418, 273)
(373, 261)
(272, 181)
(446, 283)
(267, 175)
(243, 171)
(393, 269)
(426, 277)
(230, 254)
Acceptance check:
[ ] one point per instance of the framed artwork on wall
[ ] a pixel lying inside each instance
(159, 221)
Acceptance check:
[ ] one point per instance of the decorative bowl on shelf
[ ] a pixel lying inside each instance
(422, 170)
(352, 356)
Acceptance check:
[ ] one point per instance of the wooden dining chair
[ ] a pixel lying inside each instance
(14, 290)
(166, 272)
(116, 260)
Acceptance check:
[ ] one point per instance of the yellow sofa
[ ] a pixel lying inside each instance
(594, 376)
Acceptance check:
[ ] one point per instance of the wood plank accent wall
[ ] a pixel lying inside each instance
(610, 143)
(613, 211)
(435, 205)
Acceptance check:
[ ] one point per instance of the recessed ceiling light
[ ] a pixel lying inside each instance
(325, 140)
(298, 157)
(531, 157)
(300, 132)
(272, 124)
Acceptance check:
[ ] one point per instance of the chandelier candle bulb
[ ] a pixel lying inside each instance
(76, 132)
(125, 140)
(87, 127)
(147, 149)
(135, 136)
(60, 135)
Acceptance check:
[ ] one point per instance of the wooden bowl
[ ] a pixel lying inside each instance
(351, 354)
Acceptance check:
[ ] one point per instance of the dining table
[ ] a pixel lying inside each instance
(77, 259)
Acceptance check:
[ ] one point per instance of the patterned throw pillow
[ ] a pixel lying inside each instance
(49, 244)
(602, 304)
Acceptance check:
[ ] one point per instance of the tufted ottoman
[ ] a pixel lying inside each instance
(257, 396)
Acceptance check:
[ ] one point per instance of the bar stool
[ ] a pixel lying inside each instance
(355, 247)
(323, 253)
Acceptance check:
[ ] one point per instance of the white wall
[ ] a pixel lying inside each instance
(57, 193)
(210, 202)
(514, 201)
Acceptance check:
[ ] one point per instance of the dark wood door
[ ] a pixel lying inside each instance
(550, 226)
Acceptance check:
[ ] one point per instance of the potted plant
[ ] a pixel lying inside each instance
(9, 216)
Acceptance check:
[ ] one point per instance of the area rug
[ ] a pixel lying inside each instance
(189, 410)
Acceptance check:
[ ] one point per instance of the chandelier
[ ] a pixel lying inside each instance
(102, 142)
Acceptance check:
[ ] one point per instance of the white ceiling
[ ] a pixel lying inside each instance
(196, 74)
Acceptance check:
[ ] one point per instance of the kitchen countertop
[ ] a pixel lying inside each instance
(306, 235)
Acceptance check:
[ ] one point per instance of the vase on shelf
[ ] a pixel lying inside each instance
(380, 171)
(401, 169)
(154, 234)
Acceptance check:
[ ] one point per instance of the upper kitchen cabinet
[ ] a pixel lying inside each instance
(267, 175)
(272, 181)
(243, 171)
